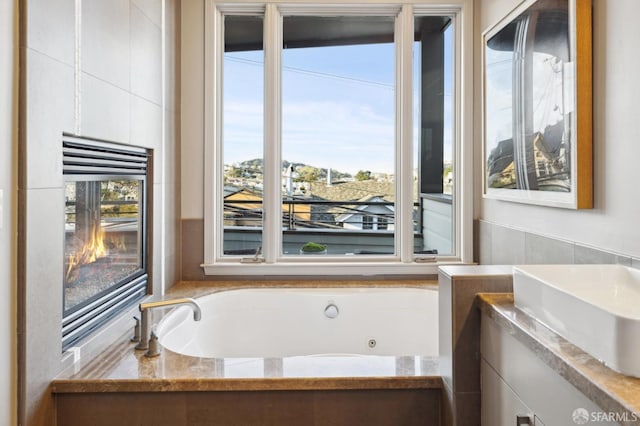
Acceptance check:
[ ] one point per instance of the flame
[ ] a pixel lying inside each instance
(93, 250)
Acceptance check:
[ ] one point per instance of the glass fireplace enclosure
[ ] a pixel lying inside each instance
(105, 238)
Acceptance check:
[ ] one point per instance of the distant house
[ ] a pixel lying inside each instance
(369, 214)
(243, 207)
(342, 206)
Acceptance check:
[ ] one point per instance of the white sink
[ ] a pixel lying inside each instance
(595, 307)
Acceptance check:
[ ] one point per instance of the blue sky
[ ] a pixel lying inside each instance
(347, 121)
(338, 107)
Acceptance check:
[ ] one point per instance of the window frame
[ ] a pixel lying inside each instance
(404, 261)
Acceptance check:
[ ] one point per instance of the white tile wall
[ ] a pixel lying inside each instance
(159, 227)
(44, 257)
(105, 110)
(106, 41)
(146, 57)
(146, 130)
(171, 219)
(151, 8)
(171, 56)
(51, 29)
(116, 96)
(170, 152)
(500, 245)
(49, 113)
(146, 123)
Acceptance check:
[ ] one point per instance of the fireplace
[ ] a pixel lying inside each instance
(105, 233)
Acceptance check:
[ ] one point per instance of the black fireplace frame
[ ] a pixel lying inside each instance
(86, 159)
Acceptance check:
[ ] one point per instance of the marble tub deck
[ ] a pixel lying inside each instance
(612, 391)
(120, 368)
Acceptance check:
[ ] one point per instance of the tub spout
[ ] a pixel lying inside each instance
(145, 311)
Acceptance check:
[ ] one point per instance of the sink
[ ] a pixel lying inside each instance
(595, 307)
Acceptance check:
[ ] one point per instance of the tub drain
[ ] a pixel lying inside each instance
(372, 343)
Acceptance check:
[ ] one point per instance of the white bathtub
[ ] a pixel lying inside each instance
(277, 323)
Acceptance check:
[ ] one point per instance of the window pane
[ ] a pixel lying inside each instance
(243, 134)
(433, 135)
(338, 134)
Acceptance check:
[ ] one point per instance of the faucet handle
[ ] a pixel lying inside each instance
(154, 346)
(136, 330)
(142, 326)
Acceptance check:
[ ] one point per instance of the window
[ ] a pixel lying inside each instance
(337, 131)
(367, 222)
(310, 120)
(242, 148)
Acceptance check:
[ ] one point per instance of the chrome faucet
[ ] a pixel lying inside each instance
(145, 311)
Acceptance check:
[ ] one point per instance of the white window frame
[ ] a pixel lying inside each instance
(404, 262)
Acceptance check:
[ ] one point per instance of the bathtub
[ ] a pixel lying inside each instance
(285, 322)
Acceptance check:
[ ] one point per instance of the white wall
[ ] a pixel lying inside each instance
(613, 224)
(192, 117)
(8, 386)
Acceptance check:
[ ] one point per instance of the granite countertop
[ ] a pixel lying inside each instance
(612, 391)
(120, 368)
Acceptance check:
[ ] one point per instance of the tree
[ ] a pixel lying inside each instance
(235, 172)
(307, 174)
(363, 175)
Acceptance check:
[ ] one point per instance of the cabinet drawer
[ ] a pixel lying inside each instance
(500, 405)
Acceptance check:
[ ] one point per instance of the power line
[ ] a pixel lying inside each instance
(316, 73)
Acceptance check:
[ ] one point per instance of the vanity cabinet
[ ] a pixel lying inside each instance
(500, 404)
(518, 388)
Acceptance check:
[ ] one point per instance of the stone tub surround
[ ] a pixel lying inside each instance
(372, 407)
(611, 391)
(174, 389)
(122, 369)
(459, 345)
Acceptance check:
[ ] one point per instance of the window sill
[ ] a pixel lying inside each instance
(326, 268)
